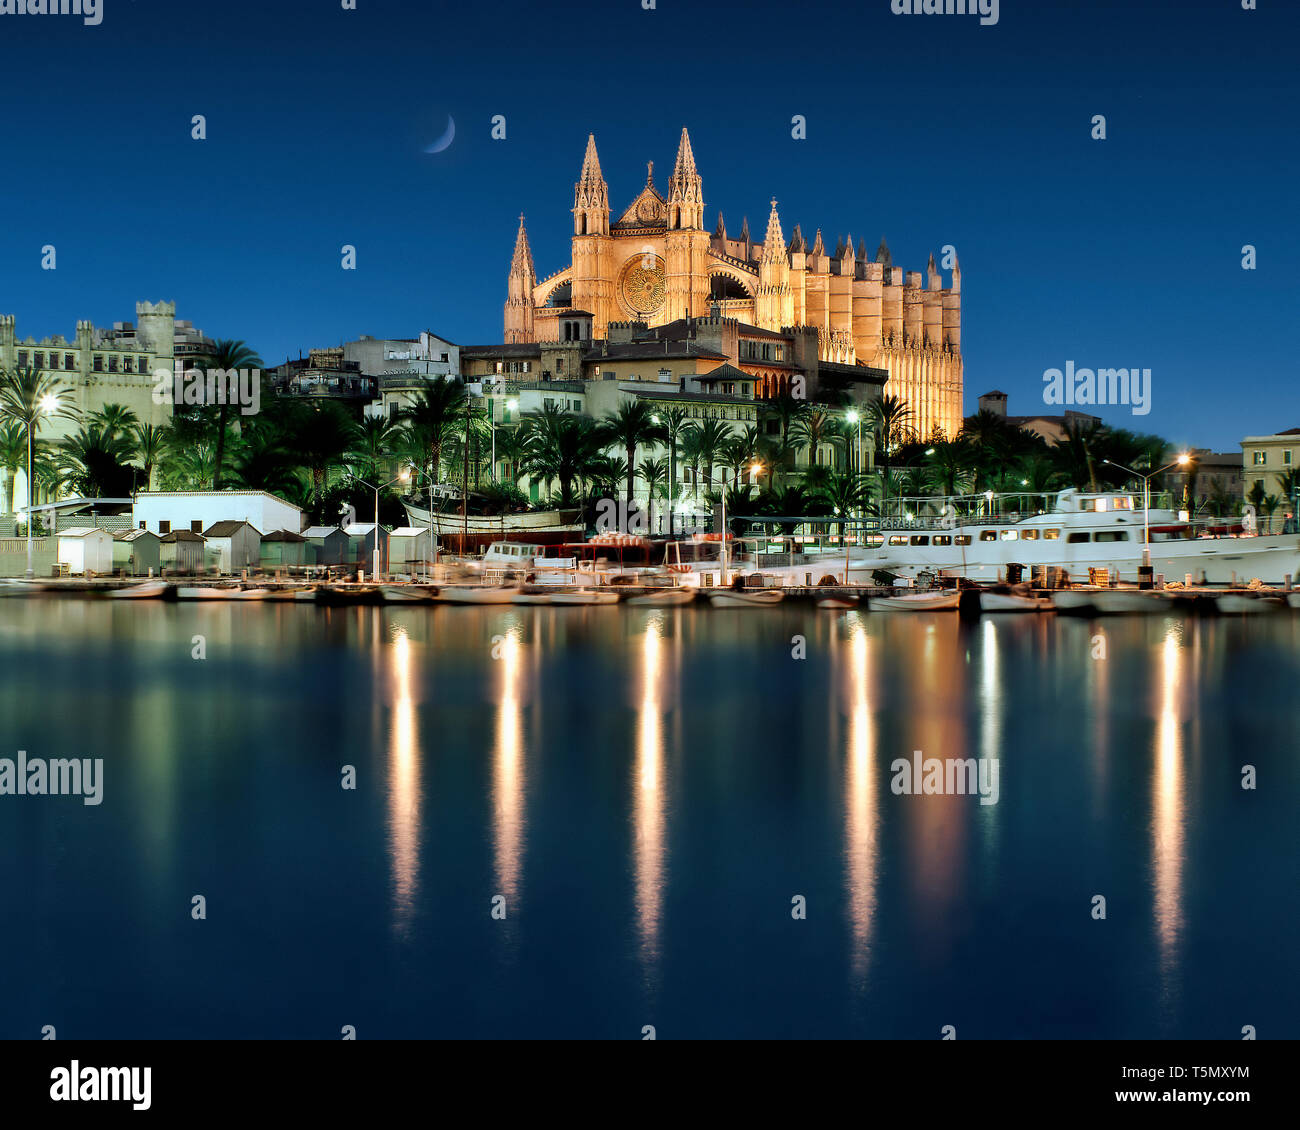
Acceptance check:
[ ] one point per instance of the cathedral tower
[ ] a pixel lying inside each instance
(686, 242)
(773, 303)
(592, 250)
(519, 290)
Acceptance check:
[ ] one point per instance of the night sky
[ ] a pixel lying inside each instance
(930, 130)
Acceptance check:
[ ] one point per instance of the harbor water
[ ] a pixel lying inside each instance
(590, 822)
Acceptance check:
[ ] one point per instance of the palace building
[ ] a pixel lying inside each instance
(657, 264)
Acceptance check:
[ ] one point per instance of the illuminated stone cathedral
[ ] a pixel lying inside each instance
(657, 263)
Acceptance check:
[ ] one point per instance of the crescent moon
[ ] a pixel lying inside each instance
(446, 139)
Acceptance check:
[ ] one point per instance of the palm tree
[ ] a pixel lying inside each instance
(370, 447)
(28, 397)
(1073, 453)
(322, 435)
(115, 419)
(227, 354)
(712, 435)
(189, 467)
(13, 451)
(789, 412)
(632, 425)
(948, 471)
(433, 416)
(653, 472)
(265, 460)
(891, 423)
(150, 443)
(846, 492)
(511, 445)
(814, 430)
(93, 462)
(561, 446)
(1269, 504)
(678, 425)
(605, 473)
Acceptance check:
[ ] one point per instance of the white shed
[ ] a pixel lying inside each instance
(409, 545)
(86, 550)
(136, 552)
(233, 546)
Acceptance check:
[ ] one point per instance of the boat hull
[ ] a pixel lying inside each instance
(584, 597)
(738, 598)
(471, 594)
(916, 602)
(149, 590)
(668, 598)
(1013, 602)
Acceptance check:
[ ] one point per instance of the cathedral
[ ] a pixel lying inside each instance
(658, 263)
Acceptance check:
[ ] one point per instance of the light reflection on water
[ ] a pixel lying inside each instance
(1119, 775)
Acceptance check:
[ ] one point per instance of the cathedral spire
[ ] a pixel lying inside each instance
(720, 232)
(774, 242)
(522, 263)
(519, 313)
(685, 189)
(796, 241)
(591, 195)
(882, 253)
(819, 248)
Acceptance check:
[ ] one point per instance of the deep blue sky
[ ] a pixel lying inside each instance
(931, 130)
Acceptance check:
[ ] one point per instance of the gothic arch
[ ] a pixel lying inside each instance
(543, 290)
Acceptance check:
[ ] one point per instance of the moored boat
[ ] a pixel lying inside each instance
(663, 598)
(251, 594)
(476, 594)
(405, 594)
(585, 596)
(1013, 602)
(916, 602)
(1234, 603)
(741, 598)
(836, 603)
(531, 598)
(146, 590)
(205, 592)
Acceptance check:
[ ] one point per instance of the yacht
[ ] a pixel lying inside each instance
(1081, 532)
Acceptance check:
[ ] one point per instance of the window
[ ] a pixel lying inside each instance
(528, 366)
(963, 539)
(874, 541)
(112, 364)
(1088, 505)
(501, 368)
(1051, 535)
(196, 527)
(942, 539)
(920, 539)
(1286, 457)
(69, 361)
(22, 358)
(1010, 535)
(988, 535)
(898, 539)
(1078, 536)
(1124, 503)
(1111, 535)
(98, 364)
(744, 389)
(128, 365)
(40, 361)
(559, 364)
(164, 527)
(1257, 458)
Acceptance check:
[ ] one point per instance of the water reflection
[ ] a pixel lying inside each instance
(1168, 808)
(860, 794)
(404, 797)
(508, 770)
(648, 799)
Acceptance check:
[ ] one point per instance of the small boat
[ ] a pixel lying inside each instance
(476, 594)
(205, 592)
(405, 594)
(251, 594)
(305, 595)
(742, 598)
(283, 594)
(663, 598)
(585, 596)
(836, 603)
(146, 590)
(1013, 602)
(1231, 603)
(531, 598)
(916, 602)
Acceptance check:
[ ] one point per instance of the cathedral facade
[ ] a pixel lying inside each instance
(657, 263)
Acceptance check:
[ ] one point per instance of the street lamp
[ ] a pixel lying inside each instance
(403, 477)
(1181, 461)
(854, 418)
(49, 404)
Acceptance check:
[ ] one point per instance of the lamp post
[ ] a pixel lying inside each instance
(853, 417)
(1181, 461)
(49, 404)
(403, 477)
